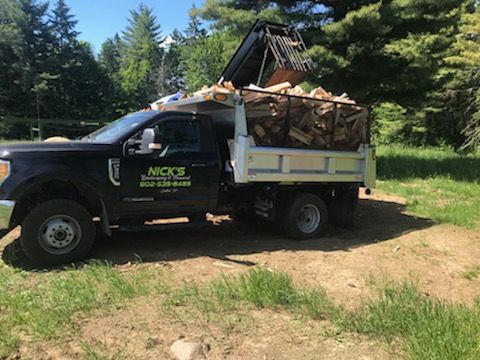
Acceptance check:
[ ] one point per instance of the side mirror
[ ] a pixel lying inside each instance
(147, 142)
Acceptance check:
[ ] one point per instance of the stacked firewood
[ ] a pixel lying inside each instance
(315, 120)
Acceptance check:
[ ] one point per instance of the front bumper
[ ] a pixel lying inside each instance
(6, 211)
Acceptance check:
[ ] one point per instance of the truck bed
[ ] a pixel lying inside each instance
(251, 163)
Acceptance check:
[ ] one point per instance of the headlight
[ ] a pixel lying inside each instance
(4, 170)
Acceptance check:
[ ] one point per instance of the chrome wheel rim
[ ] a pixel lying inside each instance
(59, 234)
(308, 219)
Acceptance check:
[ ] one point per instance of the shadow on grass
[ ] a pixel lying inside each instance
(377, 221)
(405, 166)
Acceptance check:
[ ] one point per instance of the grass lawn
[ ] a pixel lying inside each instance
(437, 183)
(45, 311)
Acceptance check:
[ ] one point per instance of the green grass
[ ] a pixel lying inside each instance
(91, 352)
(472, 273)
(425, 328)
(437, 183)
(45, 310)
(99, 351)
(399, 162)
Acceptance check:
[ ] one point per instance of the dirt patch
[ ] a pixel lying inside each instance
(389, 244)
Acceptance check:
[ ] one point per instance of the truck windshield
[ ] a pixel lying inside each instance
(116, 129)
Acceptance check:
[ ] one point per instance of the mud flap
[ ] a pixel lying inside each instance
(105, 223)
(342, 208)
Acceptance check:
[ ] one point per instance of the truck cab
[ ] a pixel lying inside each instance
(144, 166)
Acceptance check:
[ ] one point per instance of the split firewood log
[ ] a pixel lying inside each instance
(299, 135)
(319, 118)
(279, 87)
(320, 93)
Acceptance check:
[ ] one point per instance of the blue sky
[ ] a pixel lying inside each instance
(101, 19)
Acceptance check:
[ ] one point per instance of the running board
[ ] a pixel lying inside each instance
(156, 227)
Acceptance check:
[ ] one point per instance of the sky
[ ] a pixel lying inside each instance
(101, 19)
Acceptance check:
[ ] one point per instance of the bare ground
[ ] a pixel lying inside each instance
(389, 244)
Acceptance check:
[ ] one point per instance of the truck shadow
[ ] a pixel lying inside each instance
(378, 221)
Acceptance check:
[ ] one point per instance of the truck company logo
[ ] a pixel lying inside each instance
(165, 177)
(166, 171)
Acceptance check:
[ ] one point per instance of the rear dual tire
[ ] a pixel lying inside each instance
(57, 232)
(304, 216)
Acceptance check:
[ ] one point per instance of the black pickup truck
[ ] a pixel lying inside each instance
(146, 166)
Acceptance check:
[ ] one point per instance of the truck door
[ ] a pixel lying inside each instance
(180, 177)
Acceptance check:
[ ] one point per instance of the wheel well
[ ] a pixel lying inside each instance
(56, 189)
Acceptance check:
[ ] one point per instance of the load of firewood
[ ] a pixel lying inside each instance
(316, 120)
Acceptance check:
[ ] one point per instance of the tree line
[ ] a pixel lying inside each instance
(416, 61)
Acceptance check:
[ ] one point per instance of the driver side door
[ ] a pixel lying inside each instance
(175, 178)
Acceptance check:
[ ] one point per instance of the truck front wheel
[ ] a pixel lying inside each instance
(304, 217)
(57, 232)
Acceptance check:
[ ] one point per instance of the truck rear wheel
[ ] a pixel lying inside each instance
(57, 232)
(304, 217)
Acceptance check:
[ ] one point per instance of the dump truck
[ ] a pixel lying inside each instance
(195, 156)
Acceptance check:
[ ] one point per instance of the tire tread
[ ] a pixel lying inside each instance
(37, 215)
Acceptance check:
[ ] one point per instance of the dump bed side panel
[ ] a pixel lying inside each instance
(283, 165)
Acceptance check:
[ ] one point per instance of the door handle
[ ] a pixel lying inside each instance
(200, 164)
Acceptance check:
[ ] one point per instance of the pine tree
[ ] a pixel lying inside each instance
(11, 52)
(194, 28)
(141, 58)
(461, 94)
(35, 60)
(109, 57)
(109, 60)
(63, 24)
(76, 86)
(173, 74)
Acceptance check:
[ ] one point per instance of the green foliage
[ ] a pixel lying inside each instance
(393, 123)
(62, 24)
(141, 57)
(462, 93)
(205, 58)
(109, 58)
(109, 61)
(238, 15)
(45, 71)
